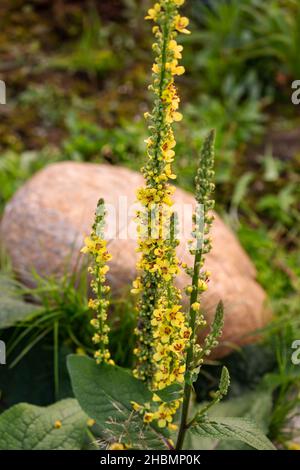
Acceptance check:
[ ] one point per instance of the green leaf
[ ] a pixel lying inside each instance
(170, 393)
(105, 393)
(29, 427)
(12, 306)
(255, 405)
(240, 429)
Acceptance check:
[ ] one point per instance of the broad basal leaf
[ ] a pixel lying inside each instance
(240, 429)
(105, 393)
(60, 426)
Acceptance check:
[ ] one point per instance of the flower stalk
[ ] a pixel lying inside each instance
(202, 223)
(162, 328)
(96, 246)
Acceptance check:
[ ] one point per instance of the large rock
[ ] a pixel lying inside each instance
(45, 222)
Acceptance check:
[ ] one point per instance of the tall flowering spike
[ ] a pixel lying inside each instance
(202, 243)
(201, 246)
(162, 328)
(95, 245)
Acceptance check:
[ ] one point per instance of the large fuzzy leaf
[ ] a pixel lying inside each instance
(105, 393)
(240, 429)
(29, 427)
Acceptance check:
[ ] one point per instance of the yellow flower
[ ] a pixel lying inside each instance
(93, 304)
(57, 424)
(161, 351)
(163, 333)
(148, 417)
(174, 68)
(136, 406)
(169, 173)
(117, 446)
(167, 152)
(137, 286)
(94, 322)
(158, 317)
(196, 306)
(178, 347)
(90, 422)
(293, 445)
(163, 416)
(96, 338)
(178, 374)
(80, 352)
(153, 12)
(179, 2)
(181, 22)
(202, 285)
(103, 270)
(155, 68)
(177, 117)
(176, 49)
(172, 427)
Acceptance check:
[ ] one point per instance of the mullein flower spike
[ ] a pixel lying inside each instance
(203, 220)
(95, 245)
(162, 331)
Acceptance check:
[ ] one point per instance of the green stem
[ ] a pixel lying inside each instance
(56, 359)
(190, 353)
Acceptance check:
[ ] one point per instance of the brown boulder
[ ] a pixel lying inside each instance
(45, 222)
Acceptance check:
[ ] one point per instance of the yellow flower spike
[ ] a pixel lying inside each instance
(95, 245)
(162, 329)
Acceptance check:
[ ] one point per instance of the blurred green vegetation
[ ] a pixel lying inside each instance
(77, 76)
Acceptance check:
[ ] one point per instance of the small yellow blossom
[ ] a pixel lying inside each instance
(181, 22)
(148, 417)
(136, 406)
(176, 49)
(90, 422)
(293, 445)
(195, 306)
(58, 424)
(153, 12)
(117, 446)
(172, 427)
